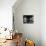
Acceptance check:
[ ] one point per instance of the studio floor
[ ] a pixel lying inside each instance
(9, 43)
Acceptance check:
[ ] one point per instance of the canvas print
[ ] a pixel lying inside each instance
(28, 19)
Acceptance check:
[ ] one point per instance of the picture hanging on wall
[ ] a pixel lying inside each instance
(29, 19)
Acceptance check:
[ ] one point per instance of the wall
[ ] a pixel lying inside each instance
(6, 13)
(30, 31)
(43, 22)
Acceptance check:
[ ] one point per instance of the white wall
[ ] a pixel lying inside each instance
(6, 13)
(43, 22)
(31, 31)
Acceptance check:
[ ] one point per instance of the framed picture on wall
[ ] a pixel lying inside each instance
(28, 19)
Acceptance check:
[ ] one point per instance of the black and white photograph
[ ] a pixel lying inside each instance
(29, 19)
